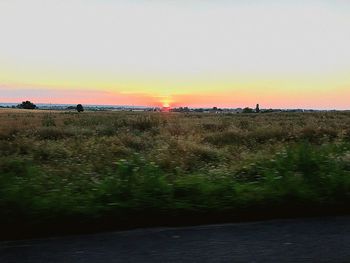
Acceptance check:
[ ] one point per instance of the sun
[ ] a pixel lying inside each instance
(165, 103)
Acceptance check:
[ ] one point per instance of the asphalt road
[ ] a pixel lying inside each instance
(294, 240)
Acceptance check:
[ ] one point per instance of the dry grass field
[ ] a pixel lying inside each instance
(64, 171)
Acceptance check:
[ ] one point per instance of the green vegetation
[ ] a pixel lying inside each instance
(124, 169)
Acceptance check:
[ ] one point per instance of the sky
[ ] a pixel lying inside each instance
(196, 53)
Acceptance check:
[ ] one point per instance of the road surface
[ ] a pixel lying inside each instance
(293, 240)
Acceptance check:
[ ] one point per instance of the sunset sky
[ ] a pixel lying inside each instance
(197, 53)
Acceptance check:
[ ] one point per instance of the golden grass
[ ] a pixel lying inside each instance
(172, 140)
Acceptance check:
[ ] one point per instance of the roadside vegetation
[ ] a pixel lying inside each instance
(64, 172)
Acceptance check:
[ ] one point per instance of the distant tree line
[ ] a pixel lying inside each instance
(28, 105)
(250, 110)
(78, 108)
(218, 110)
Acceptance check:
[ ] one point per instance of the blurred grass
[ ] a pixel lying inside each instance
(300, 174)
(133, 168)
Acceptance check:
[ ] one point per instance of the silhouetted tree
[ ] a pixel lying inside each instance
(26, 105)
(80, 108)
(247, 110)
(257, 109)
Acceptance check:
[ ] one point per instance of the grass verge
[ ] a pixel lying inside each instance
(302, 179)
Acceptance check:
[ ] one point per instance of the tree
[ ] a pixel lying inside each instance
(27, 105)
(80, 108)
(247, 110)
(257, 109)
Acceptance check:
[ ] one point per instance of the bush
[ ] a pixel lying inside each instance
(248, 110)
(27, 105)
(80, 108)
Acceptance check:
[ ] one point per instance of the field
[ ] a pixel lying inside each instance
(64, 172)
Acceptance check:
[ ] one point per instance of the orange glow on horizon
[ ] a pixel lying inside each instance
(320, 97)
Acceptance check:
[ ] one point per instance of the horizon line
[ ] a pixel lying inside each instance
(143, 106)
